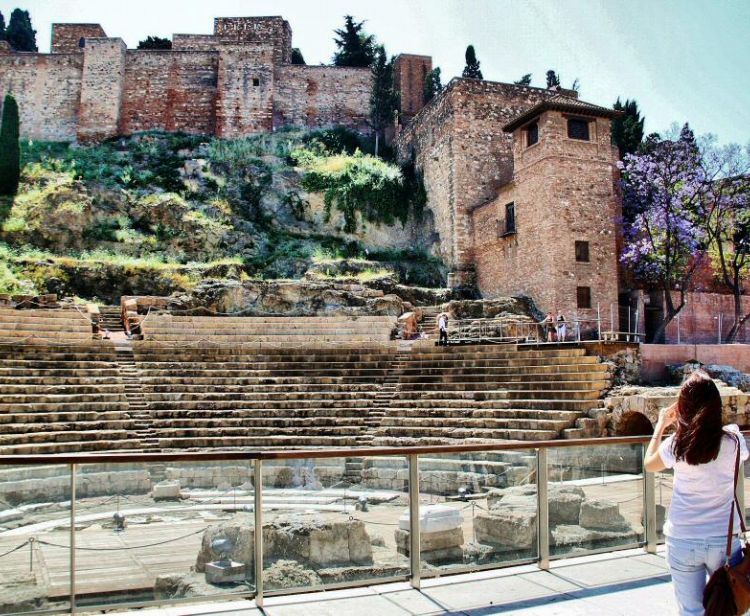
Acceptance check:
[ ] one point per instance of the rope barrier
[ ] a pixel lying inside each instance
(15, 549)
(127, 547)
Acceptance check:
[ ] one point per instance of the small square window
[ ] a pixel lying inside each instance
(583, 297)
(256, 82)
(510, 218)
(532, 134)
(578, 129)
(582, 251)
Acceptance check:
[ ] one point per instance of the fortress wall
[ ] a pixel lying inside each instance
(273, 31)
(318, 96)
(481, 154)
(245, 85)
(66, 38)
(194, 42)
(101, 89)
(428, 143)
(169, 90)
(47, 88)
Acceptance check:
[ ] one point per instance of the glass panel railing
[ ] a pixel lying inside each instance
(163, 532)
(663, 497)
(34, 538)
(333, 521)
(477, 509)
(595, 497)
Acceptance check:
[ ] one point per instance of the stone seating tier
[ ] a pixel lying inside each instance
(196, 395)
(38, 324)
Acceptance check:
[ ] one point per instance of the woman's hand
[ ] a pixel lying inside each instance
(668, 416)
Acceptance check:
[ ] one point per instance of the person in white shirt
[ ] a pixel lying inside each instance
(443, 329)
(702, 453)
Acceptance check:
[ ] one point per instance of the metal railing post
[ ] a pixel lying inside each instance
(258, 504)
(649, 508)
(414, 530)
(543, 507)
(72, 539)
(598, 321)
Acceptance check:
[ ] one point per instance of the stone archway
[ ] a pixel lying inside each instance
(634, 424)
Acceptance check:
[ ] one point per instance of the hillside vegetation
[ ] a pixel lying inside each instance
(157, 212)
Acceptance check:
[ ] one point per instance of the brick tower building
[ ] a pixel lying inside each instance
(551, 232)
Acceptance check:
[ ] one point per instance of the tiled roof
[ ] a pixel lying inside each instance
(561, 103)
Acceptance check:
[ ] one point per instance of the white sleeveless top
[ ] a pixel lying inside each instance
(702, 493)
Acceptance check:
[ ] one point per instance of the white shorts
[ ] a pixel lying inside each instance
(561, 331)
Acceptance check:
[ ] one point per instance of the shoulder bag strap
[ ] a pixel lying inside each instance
(735, 502)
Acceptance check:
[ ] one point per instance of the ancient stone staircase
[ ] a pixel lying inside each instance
(111, 319)
(136, 399)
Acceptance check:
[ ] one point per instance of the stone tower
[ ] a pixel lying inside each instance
(552, 232)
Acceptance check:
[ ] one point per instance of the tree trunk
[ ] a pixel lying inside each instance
(669, 314)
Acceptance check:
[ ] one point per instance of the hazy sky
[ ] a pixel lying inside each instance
(683, 60)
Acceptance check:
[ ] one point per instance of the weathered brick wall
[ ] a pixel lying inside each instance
(101, 89)
(168, 90)
(698, 321)
(66, 38)
(245, 85)
(428, 142)
(273, 31)
(194, 42)
(564, 190)
(409, 74)
(47, 88)
(479, 153)
(317, 96)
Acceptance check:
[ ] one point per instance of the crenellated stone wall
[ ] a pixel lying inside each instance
(234, 82)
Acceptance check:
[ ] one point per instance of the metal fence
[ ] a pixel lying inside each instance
(90, 558)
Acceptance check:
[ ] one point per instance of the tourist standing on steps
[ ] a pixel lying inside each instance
(703, 456)
(548, 327)
(443, 329)
(562, 327)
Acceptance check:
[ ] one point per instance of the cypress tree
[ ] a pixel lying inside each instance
(627, 130)
(384, 98)
(524, 81)
(297, 57)
(10, 152)
(553, 79)
(471, 70)
(432, 84)
(19, 33)
(3, 35)
(355, 47)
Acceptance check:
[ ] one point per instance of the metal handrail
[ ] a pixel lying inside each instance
(296, 454)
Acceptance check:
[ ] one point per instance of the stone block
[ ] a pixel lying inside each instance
(225, 572)
(166, 491)
(601, 514)
(434, 518)
(509, 528)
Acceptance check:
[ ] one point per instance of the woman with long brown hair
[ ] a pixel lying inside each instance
(702, 453)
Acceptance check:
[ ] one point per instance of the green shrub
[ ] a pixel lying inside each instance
(360, 184)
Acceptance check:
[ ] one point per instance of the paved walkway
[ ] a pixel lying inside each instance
(624, 583)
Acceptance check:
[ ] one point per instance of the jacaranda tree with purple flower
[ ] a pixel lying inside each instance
(665, 238)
